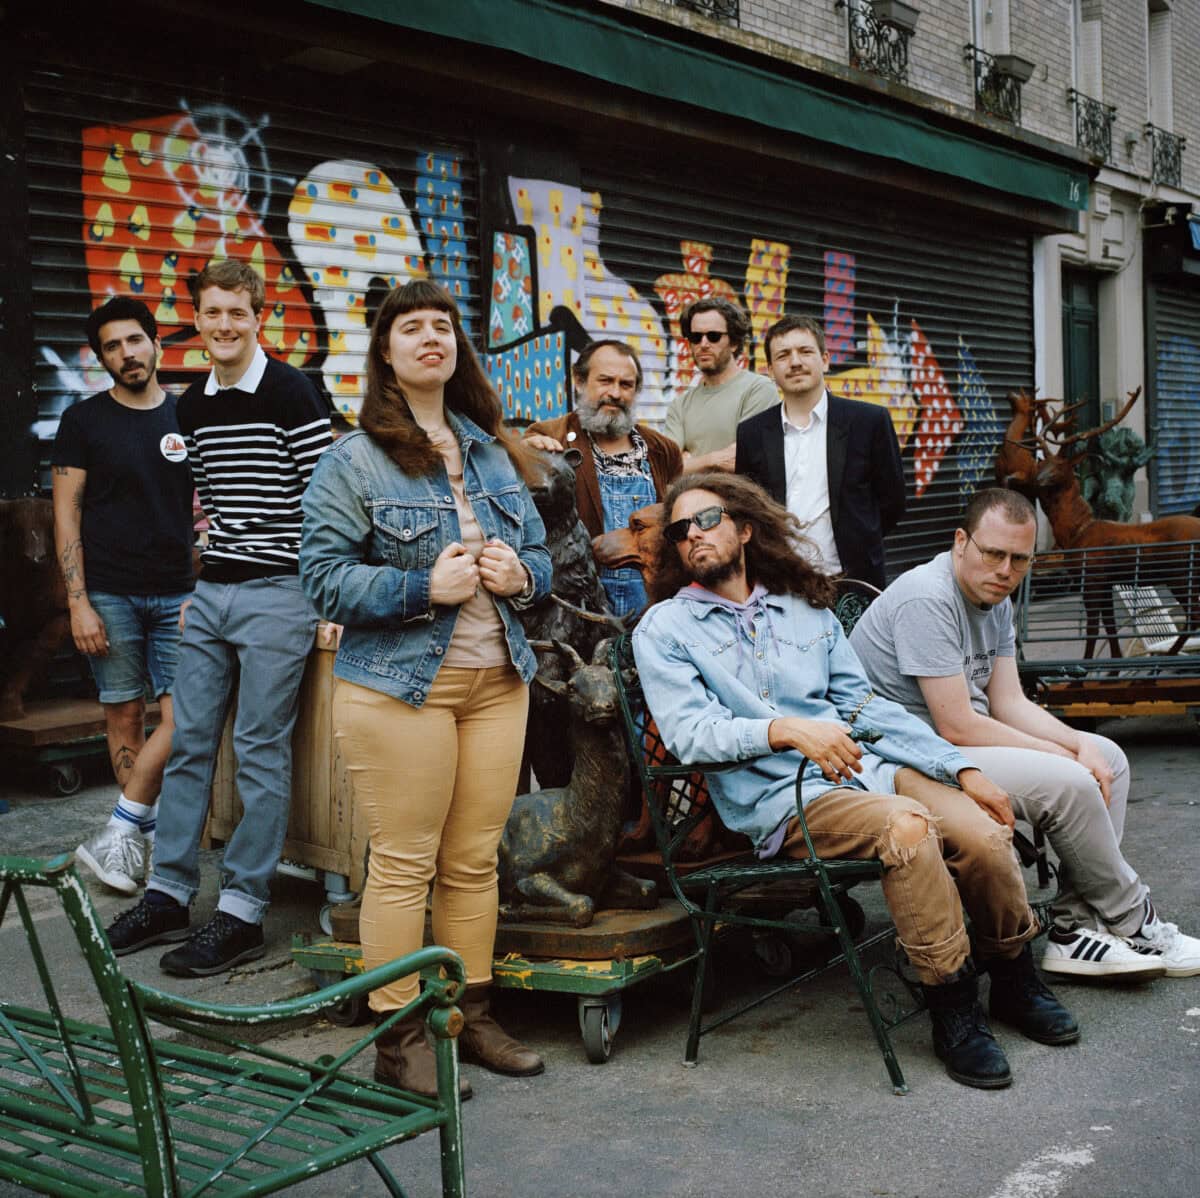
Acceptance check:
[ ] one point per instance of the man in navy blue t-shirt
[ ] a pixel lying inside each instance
(123, 533)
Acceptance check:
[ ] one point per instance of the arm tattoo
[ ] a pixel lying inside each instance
(79, 497)
(72, 569)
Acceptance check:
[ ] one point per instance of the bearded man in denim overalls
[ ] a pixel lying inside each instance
(625, 466)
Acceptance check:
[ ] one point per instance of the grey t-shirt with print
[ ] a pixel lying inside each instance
(923, 626)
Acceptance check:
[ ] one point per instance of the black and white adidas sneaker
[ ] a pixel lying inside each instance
(1085, 953)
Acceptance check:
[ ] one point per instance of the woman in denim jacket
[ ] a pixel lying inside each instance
(421, 538)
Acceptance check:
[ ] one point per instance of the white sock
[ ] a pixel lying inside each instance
(127, 815)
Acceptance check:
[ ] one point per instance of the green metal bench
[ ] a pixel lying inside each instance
(677, 800)
(92, 1110)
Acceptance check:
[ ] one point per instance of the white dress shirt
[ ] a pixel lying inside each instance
(807, 473)
(248, 382)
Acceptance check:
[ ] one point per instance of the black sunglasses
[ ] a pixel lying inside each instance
(709, 335)
(704, 519)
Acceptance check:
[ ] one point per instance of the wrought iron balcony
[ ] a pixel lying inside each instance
(998, 79)
(1093, 124)
(879, 36)
(1166, 156)
(718, 10)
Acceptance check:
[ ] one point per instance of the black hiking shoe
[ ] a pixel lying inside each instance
(961, 1036)
(1021, 998)
(156, 919)
(222, 943)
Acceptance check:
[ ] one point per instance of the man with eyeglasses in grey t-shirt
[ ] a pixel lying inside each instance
(940, 641)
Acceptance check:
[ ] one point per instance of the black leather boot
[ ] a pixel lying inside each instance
(404, 1059)
(1021, 998)
(961, 1036)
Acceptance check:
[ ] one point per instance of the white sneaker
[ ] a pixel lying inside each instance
(1085, 953)
(1180, 953)
(116, 857)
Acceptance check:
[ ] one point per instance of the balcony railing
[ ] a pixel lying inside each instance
(1093, 124)
(879, 37)
(718, 10)
(1166, 156)
(998, 79)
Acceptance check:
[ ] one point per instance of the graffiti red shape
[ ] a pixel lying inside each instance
(940, 421)
(160, 200)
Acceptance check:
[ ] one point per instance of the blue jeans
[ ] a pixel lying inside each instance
(254, 635)
(620, 497)
(143, 645)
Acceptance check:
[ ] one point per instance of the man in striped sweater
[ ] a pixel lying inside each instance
(254, 429)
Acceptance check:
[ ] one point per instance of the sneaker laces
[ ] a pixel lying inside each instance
(137, 916)
(217, 929)
(1159, 934)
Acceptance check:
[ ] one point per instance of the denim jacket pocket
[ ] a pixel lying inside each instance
(405, 537)
(509, 509)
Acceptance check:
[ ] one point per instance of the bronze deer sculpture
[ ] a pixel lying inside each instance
(1114, 556)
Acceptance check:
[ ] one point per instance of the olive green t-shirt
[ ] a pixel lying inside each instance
(704, 419)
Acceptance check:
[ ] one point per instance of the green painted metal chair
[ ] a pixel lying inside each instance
(710, 893)
(89, 1109)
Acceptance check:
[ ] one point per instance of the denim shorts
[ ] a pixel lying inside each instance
(143, 645)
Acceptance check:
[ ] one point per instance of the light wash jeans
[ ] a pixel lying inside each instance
(1098, 888)
(254, 635)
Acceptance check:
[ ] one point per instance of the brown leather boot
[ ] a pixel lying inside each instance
(404, 1059)
(484, 1042)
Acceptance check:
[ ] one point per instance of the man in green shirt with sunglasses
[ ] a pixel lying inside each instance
(703, 420)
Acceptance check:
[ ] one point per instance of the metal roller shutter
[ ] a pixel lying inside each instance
(927, 311)
(1176, 369)
(135, 185)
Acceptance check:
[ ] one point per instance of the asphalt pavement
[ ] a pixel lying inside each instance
(792, 1098)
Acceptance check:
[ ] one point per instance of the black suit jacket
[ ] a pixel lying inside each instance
(866, 478)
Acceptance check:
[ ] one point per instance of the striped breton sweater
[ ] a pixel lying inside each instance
(252, 454)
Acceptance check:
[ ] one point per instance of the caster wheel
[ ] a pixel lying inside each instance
(325, 919)
(774, 955)
(598, 1022)
(65, 780)
(348, 1013)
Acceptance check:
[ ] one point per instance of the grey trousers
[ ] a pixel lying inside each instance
(1098, 888)
(254, 635)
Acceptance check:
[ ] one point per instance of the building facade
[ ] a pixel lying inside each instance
(572, 170)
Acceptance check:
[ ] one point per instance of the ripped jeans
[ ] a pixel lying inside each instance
(941, 853)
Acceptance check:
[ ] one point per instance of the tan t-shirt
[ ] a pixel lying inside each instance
(704, 419)
(478, 641)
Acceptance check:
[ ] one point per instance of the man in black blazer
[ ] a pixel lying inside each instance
(833, 462)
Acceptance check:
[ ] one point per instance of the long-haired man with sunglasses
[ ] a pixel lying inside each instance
(742, 659)
(703, 420)
(940, 641)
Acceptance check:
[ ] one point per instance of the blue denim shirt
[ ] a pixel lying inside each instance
(714, 687)
(371, 535)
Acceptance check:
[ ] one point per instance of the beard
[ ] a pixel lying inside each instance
(603, 422)
(709, 574)
(138, 385)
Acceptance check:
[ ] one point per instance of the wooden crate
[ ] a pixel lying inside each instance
(322, 829)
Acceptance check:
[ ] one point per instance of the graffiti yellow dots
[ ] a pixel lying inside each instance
(566, 257)
(525, 206)
(555, 199)
(184, 229)
(591, 264)
(130, 270)
(103, 225)
(197, 359)
(141, 143)
(139, 223)
(116, 176)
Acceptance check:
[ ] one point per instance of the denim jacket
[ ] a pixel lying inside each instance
(714, 686)
(371, 535)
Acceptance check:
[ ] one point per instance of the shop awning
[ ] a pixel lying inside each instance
(601, 46)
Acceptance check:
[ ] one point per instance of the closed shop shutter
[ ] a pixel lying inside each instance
(927, 311)
(1176, 368)
(135, 185)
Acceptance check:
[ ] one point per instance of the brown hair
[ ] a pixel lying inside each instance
(771, 553)
(386, 416)
(1015, 508)
(231, 275)
(789, 324)
(583, 364)
(737, 323)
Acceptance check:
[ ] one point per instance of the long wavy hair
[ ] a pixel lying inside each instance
(772, 556)
(386, 417)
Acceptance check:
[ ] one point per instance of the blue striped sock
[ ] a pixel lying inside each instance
(127, 814)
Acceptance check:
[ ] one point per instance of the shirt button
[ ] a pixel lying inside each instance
(447, 499)
(759, 656)
(418, 695)
(437, 650)
(766, 694)
(406, 532)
